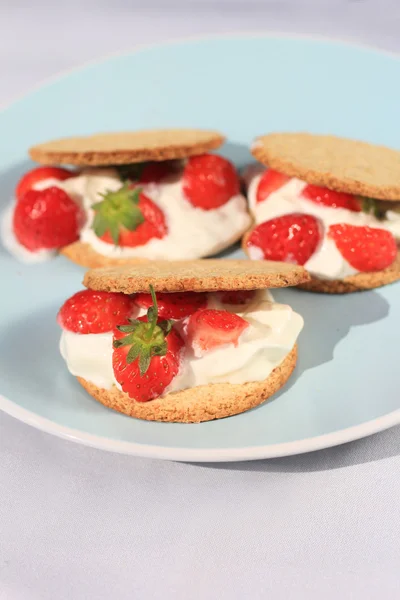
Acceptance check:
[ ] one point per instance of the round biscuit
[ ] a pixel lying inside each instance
(337, 163)
(203, 403)
(126, 147)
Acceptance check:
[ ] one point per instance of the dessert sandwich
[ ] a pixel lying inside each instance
(186, 341)
(145, 195)
(329, 204)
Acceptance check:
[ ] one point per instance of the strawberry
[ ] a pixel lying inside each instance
(37, 175)
(209, 181)
(46, 219)
(235, 297)
(154, 172)
(147, 354)
(95, 312)
(270, 182)
(128, 218)
(321, 195)
(291, 238)
(208, 329)
(174, 306)
(367, 249)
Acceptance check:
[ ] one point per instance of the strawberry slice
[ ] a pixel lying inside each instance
(321, 195)
(147, 355)
(128, 218)
(291, 238)
(174, 306)
(208, 329)
(47, 219)
(95, 312)
(366, 249)
(209, 181)
(236, 297)
(39, 174)
(270, 182)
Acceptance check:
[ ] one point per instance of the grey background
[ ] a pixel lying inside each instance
(77, 523)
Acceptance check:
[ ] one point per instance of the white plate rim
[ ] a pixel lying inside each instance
(189, 454)
(328, 440)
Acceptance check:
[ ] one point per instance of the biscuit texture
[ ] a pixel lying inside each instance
(355, 283)
(126, 147)
(195, 276)
(352, 283)
(337, 163)
(203, 403)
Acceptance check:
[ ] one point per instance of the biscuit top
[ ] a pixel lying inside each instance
(126, 147)
(195, 276)
(337, 163)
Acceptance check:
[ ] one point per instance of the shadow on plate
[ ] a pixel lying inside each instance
(371, 449)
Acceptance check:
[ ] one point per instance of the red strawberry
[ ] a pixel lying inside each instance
(46, 219)
(95, 312)
(174, 306)
(209, 181)
(128, 218)
(236, 297)
(147, 355)
(34, 176)
(366, 249)
(291, 238)
(154, 172)
(321, 195)
(207, 329)
(270, 182)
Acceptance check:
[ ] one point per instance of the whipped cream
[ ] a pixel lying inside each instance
(264, 344)
(192, 232)
(326, 262)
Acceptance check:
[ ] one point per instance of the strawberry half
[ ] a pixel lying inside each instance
(367, 249)
(39, 174)
(208, 329)
(128, 218)
(154, 172)
(147, 354)
(209, 181)
(291, 238)
(174, 306)
(48, 219)
(321, 195)
(95, 312)
(270, 182)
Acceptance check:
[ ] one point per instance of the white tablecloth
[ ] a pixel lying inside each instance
(77, 523)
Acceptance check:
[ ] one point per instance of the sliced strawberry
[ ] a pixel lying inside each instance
(291, 238)
(128, 218)
(154, 172)
(209, 181)
(208, 329)
(270, 182)
(174, 306)
(48, 219)
(366, 249)
(321, 195)
(147, 355)
(95, 312)
(39, 174)
(236, 297)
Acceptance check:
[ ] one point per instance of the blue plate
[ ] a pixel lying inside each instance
(346, 383)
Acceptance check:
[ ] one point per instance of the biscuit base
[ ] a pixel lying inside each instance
(203, 403)
(353, 283)
(83, 254)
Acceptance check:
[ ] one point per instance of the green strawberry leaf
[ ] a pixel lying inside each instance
(117, 209)
(145, 338)
(132, 171)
